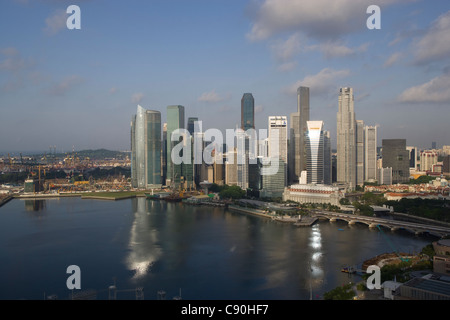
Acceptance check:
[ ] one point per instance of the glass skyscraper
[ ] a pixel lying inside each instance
(191, 125)
(315, 152)
(247, 112)
(346, 139)
(146, 149)
(175, 120)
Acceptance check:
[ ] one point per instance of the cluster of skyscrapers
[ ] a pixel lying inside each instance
(302, 151)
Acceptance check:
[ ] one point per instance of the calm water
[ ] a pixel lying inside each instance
(202, 253)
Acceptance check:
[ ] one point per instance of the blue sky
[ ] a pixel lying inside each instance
(79, 88)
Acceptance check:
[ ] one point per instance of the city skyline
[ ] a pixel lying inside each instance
(65, 88)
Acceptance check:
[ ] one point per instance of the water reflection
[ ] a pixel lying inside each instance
(142, 244)
(316, 266)
(34, 205)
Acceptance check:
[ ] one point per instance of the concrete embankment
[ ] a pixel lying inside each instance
(304, 222)
(255, 212)
(5, 200)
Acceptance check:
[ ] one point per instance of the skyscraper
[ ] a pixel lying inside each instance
(191, 125)
(327, 158)
(175, 120)
(298, 128)
(247, 112)
(360, 158)
(370, 153)
(396, 156)
(278, 137)
(146, 149)
(412, 157)
(242, 159)
(346, 139)
(427, 160)
(278, 143)
(164, 154)
(303, 111)
(314, 141)
(294, 158)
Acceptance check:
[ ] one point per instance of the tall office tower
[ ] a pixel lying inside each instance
(396, 156)
(242, 159)
(303, 118)
(433, 145)
(384, 176)
(294, 158)
(370, 153)
(346, 139)
(427, 160)
(446, 164)
(146, 149)
(175, 120)
(360, 158)
(247, 112)
(278, 137)
(134, 183)
(412, 157)
(314, 141)
(273, 184)
(327, 160)
(278, 143)
(231, 167)
(191, 125)
(263, 147)
(188, 169)
(218, 168)
(164, 155)
(255, 177)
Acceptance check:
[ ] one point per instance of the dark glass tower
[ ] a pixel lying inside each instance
(247, 112)
(190, 125)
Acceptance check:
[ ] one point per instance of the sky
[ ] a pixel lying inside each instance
(78, 88)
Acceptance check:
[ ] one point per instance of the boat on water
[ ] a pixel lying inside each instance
(157, 196)
(173, 198)
(348, 270)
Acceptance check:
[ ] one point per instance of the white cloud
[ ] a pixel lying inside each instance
(13, 61)
(259, 108)
(435, 44)
(316, 18)
(56, 22)
(434, 91)
(323, 82)
(211, 96)
(285, 50)
(288, 66)
(137, 97)
(65, 85)
(333, 49)
(392, 59)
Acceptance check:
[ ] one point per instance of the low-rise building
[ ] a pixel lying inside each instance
(312, 193)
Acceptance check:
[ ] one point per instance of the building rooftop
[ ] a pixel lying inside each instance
(444, 242)
(436, 286)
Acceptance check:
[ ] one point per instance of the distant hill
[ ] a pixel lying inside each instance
(98, 154)
(101, 154)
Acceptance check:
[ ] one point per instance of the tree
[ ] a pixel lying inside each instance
(344, 202)
(344, 292)
(233, 192)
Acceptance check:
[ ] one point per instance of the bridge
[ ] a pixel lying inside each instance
(375, 222)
